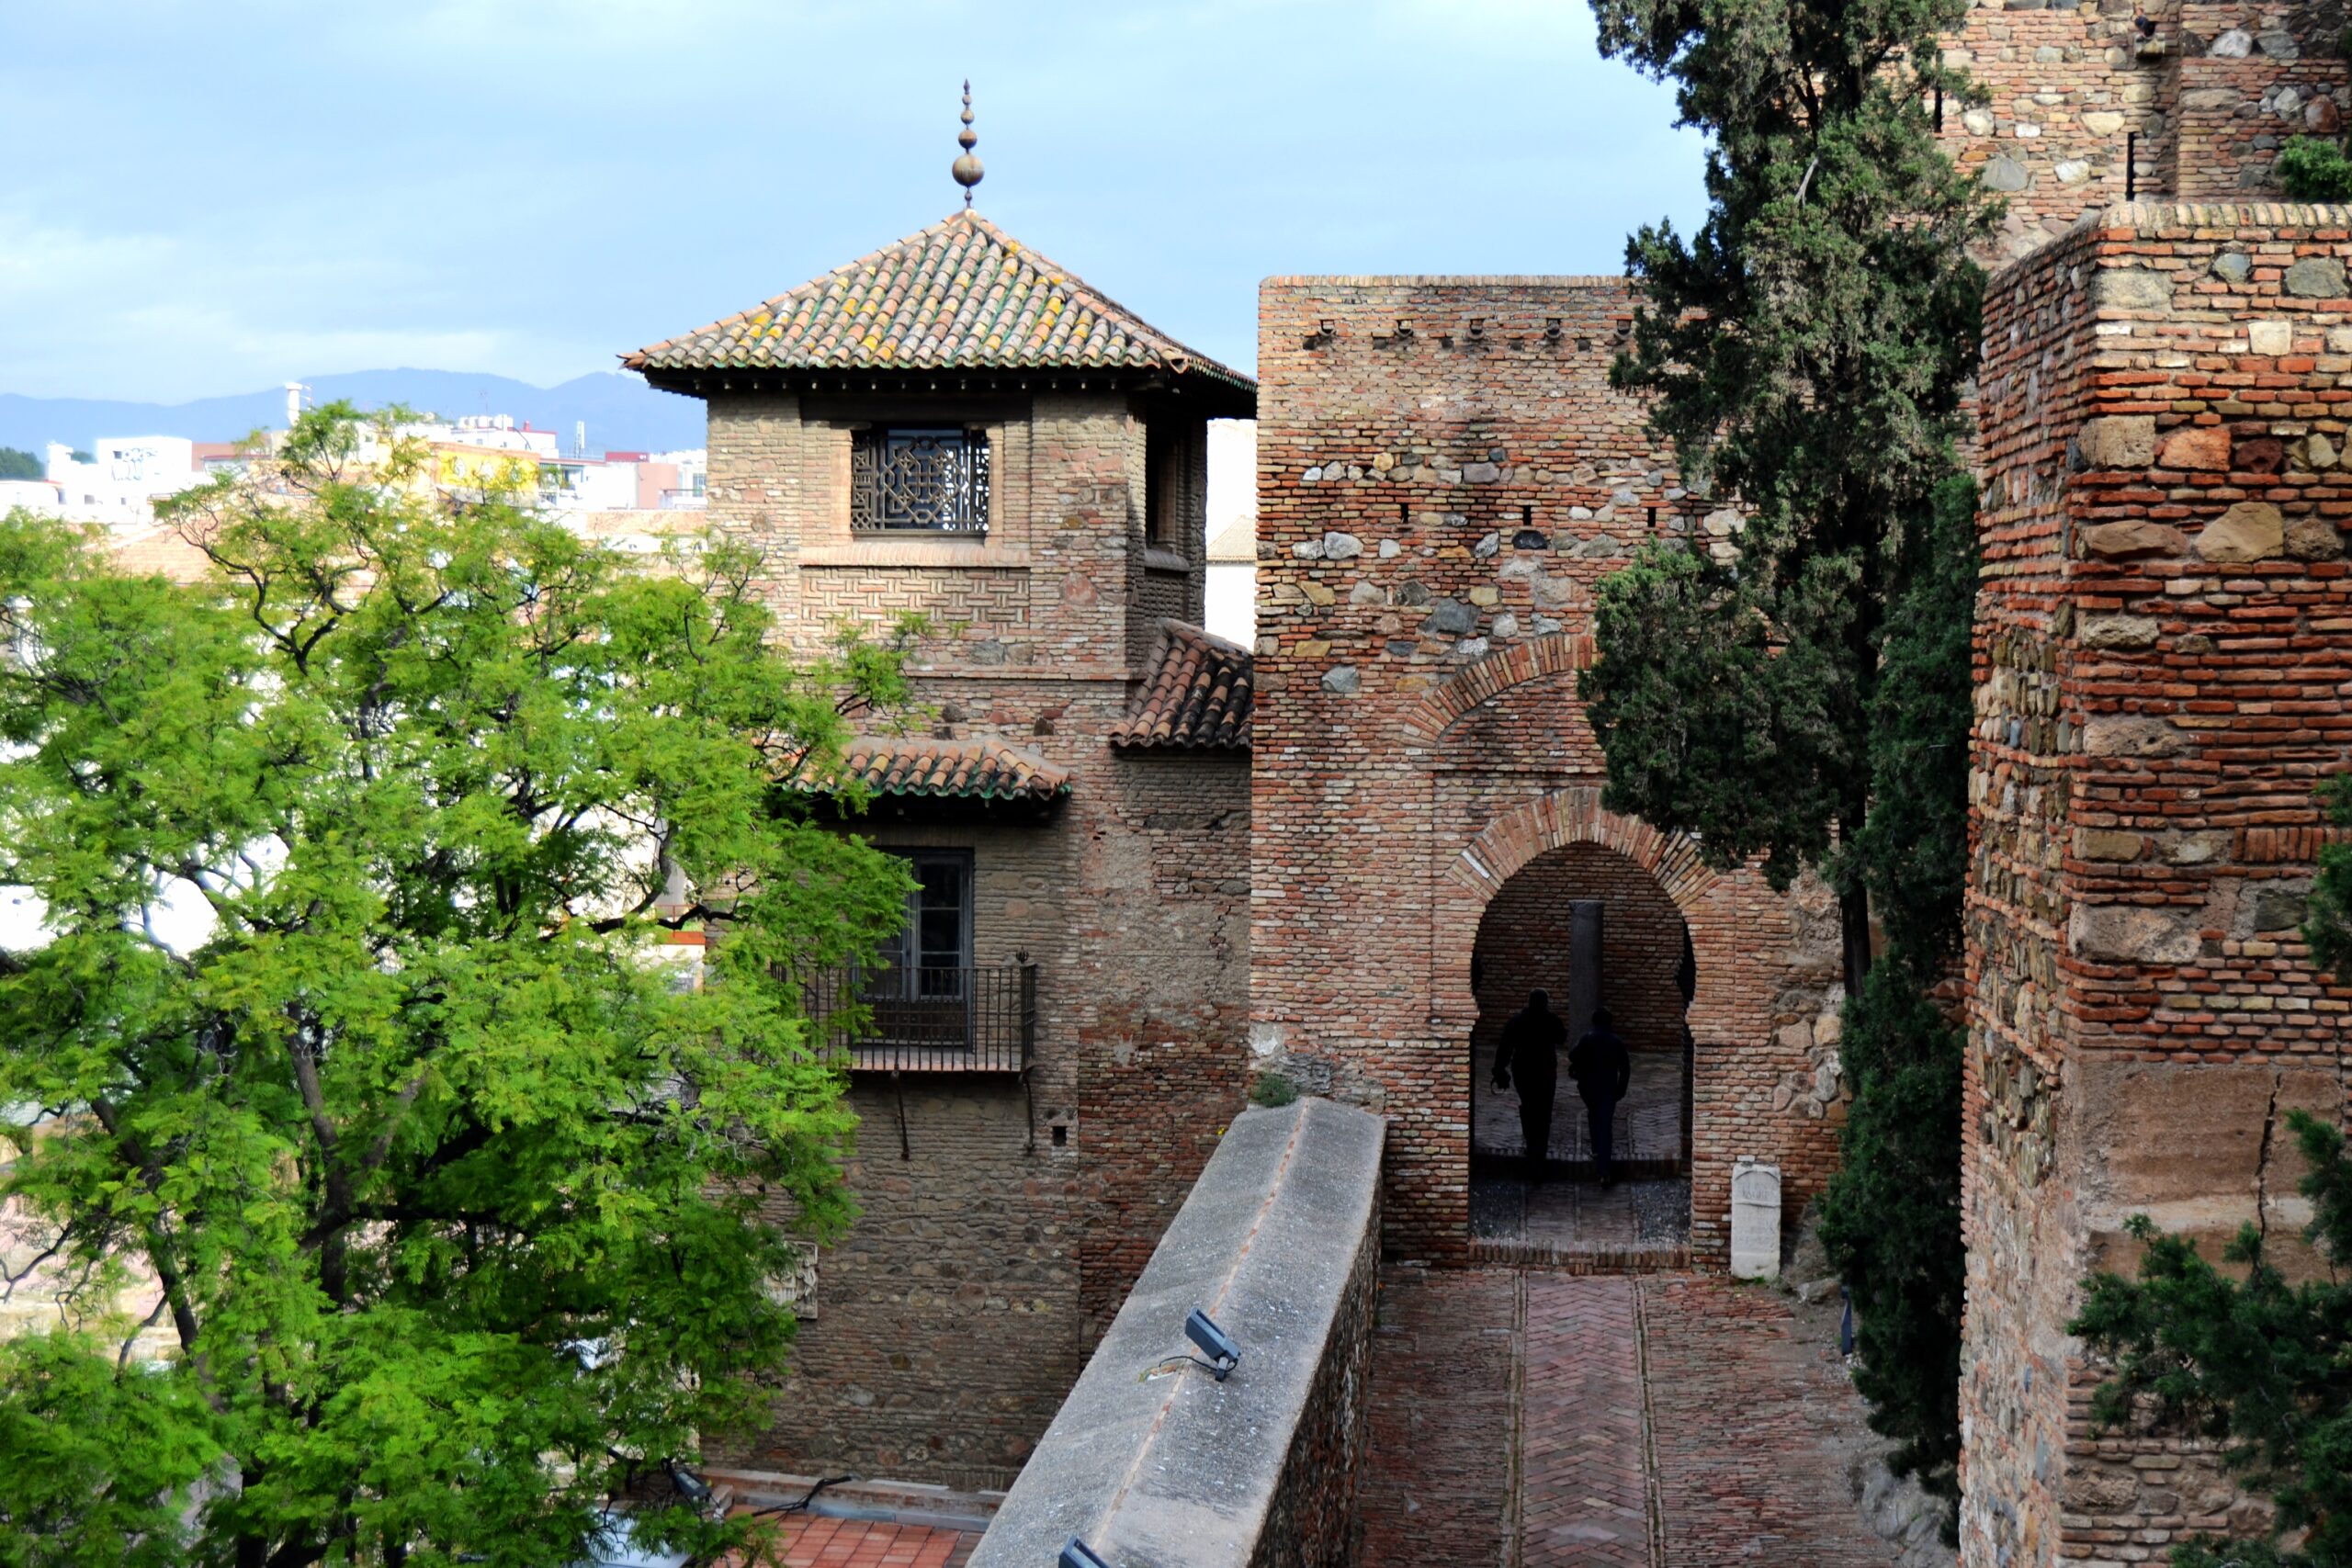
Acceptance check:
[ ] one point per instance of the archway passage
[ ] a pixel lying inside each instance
(1592, 928)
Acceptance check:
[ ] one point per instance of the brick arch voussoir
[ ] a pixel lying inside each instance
(1427, 719)
(1576, 817)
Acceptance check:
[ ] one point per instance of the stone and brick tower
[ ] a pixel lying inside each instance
(2097, 103)
(956, 427)
(2161, 662)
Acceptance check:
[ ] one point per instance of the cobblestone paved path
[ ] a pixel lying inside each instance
(1546, 1420)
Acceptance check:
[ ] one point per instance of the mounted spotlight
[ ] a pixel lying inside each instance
(1076, 1554)
(1213, 1342)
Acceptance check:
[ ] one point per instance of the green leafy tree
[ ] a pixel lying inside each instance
(2254, 1363)
(1807, 351)
(100, 1457)
(16, 465)
(2328, 928)
(1801, 693)
(1890, 1214)
(461, 1203)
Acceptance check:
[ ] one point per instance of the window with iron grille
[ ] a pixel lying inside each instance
(931, 479)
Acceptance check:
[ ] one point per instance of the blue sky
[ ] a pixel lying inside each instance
(202, 198)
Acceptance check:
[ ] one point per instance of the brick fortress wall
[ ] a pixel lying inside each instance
(951, 1321)
(1443, 476)
(2161, 663)
(2212, 98)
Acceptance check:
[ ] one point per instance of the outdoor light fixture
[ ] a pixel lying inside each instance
(1076, 1554)
(692, 1488)
(1223, 1353)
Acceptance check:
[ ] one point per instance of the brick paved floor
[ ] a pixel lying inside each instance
(1583, 1498)
(1557, 1421)
(1649, 1119)
(1569, 1215)
(1437, 1482)
(1755, 1426)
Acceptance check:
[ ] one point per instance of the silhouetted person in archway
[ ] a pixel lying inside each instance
(1531, 1053)
(1602, 1071)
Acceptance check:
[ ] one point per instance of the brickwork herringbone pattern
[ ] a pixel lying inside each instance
(1665, 1421)
(1755, 1426)
(1437, 1478)
(1583, 1501)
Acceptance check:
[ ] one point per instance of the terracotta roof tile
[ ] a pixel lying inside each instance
(159, 551)
(968, 769)
(961, 294)
(1199, 693)
(815, 1541)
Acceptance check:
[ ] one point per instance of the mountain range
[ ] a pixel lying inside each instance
(621, 411)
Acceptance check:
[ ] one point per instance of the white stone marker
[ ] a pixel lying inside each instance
(1755, 1219)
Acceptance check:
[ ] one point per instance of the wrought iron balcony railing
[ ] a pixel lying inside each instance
(962, 1019)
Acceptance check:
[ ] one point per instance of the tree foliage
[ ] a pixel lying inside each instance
(1890, 1214)
(2258, 1364)
(461, 1206)
(1801, 693)
(2328, 928)
(1807, 351)
(20, 465)
(99, 1456)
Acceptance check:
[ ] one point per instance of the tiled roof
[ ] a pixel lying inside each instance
(158, 551)
(961, 294)
(813, 1542)
(965, 770)
(1199, 693)
(1237, 541)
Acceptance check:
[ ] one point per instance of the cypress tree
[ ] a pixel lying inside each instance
(1799, 691)
(1807, 351)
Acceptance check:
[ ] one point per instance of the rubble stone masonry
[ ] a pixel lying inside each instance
(2163, 645)
(1443, 475)
(2202, 105)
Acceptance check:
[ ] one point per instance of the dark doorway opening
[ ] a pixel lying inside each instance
(1591, 928)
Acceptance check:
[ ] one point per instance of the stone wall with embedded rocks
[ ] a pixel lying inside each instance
(2199, 102)
(2161, 662)
(1443, 476)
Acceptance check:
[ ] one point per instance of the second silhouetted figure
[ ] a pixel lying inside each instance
(1602, 1072)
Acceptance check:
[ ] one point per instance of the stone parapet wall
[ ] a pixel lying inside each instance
(2161, 660)
(1444, 477)
(1152, 1459)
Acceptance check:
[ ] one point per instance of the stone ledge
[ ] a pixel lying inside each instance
(2191, 217)
(1276, 1242)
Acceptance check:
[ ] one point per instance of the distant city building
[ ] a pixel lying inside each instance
(1232, 589)
(1232, 603)
(125, 476)
(119, 480)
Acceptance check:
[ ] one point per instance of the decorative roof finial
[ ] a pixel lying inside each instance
(967, 170)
